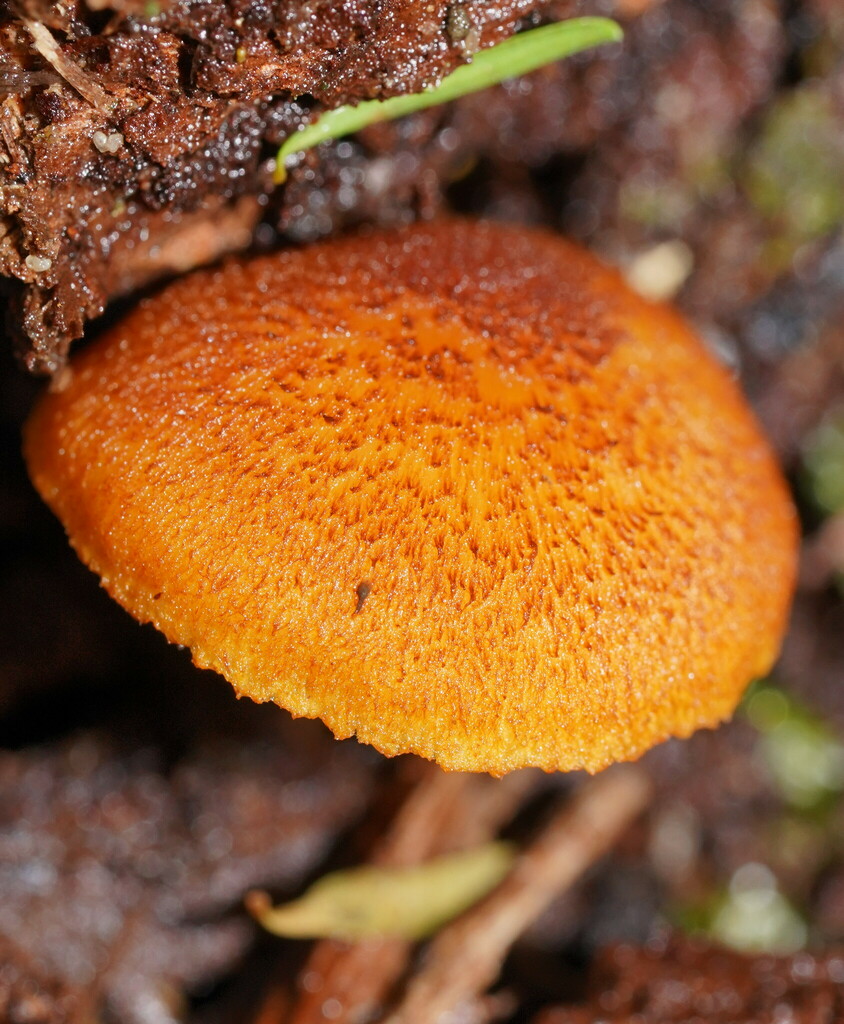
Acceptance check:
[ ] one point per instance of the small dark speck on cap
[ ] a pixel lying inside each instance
(363, 590)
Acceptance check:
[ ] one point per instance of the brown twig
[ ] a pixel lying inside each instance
(466, 957)
(349, 983)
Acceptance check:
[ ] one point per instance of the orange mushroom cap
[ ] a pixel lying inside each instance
(455, 489)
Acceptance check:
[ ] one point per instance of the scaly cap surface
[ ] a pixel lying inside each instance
(455, 489)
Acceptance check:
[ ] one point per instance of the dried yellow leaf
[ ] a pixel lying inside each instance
(410, 902)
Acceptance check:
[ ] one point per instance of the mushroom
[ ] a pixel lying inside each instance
(455, 489)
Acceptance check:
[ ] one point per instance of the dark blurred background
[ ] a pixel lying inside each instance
(705, 156)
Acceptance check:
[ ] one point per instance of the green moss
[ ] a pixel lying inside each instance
(823, 458)
(803, 755)
(793, 173)
(653, 203)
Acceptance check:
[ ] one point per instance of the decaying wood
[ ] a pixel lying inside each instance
(114, 127)
(44, 42)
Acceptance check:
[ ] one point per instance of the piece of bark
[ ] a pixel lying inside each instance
(680, 981)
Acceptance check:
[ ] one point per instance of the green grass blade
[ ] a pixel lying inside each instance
(516, 56)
